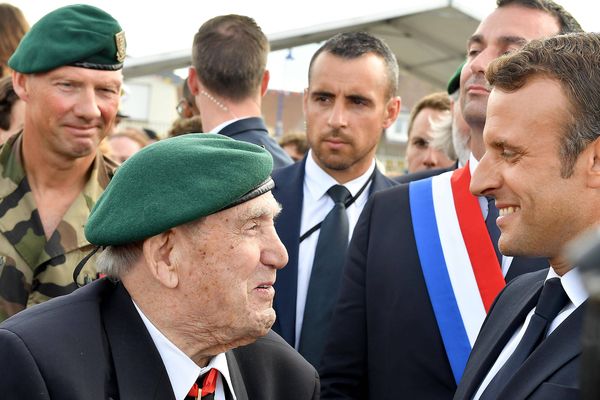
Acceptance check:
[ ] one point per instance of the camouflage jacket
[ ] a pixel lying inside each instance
(33, 269)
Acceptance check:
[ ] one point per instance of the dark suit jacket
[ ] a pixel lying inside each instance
(550, 372)
(253, 130)
(289, 192)
(385, 342)
(415, 176)
(92, 344)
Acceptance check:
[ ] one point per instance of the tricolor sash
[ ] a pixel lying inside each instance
(461, 271)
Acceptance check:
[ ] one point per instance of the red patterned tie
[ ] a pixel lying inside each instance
(209, 384)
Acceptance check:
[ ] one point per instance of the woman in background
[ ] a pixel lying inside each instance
(12, 110)
(13, 27)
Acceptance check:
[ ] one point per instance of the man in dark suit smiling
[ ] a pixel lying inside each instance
(422, 270)
(543, 169)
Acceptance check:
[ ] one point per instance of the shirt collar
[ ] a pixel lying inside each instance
(220, 127)
(573, 285)
(318, 181)
(182, 371)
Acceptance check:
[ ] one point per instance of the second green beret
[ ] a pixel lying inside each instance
(175, 181)
(78, 35)
(454, 82)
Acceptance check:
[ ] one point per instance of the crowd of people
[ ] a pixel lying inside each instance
(220, 264)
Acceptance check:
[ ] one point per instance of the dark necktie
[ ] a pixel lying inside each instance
(552, 299)
(325, 276)
(492, 228)
(205, 386)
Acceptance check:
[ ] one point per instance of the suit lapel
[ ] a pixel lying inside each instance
(380, 182)
(239, 388)
(288, 191)
(498, 330)
(139, 369)
(560, 347)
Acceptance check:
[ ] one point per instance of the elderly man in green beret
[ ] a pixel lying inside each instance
(67, 70)
(191, 257)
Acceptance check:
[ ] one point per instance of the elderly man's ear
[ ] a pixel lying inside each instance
(161, 259)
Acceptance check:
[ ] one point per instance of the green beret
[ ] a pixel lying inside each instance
(175, 181)
(77, 35)
(454, 82)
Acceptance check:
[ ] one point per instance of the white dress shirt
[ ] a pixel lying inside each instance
(483, 204)
(182, 371)
(315, 207)
(573, 285)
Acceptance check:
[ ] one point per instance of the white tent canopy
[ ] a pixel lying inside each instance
(428, 36)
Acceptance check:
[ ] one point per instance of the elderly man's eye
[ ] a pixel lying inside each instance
(507, 153)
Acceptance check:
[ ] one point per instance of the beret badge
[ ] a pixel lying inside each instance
(121, 44)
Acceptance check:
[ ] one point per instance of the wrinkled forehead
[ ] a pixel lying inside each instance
(263, 206)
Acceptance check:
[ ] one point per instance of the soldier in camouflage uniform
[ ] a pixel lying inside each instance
(68, 72)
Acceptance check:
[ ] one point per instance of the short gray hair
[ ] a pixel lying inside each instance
(441, 135)
(116, 261)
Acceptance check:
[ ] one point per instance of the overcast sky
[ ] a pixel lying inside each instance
(154, 27)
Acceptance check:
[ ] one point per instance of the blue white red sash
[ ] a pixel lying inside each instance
(459, 264)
